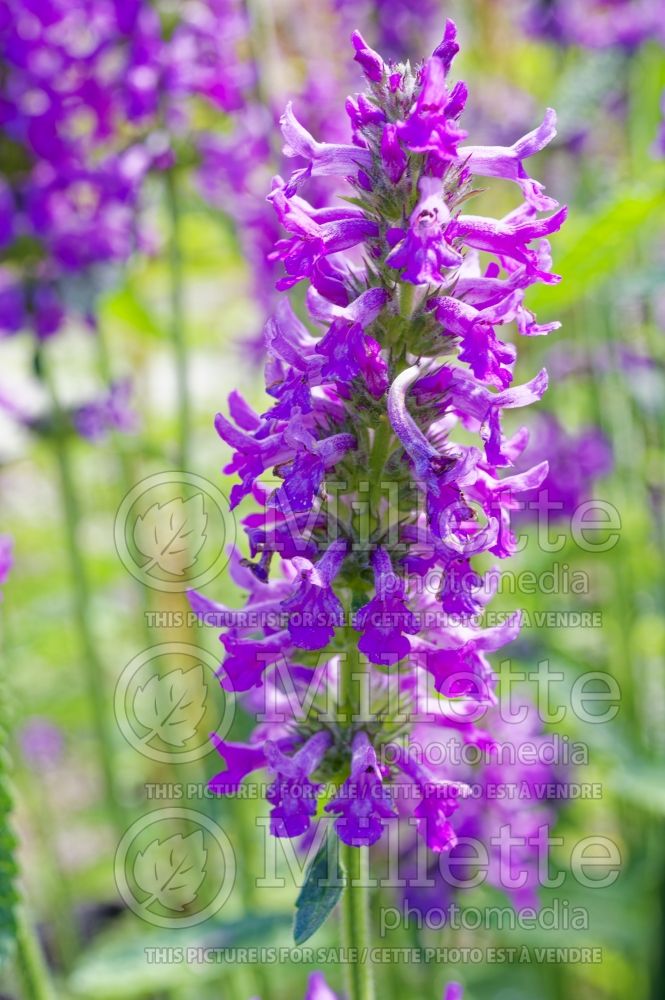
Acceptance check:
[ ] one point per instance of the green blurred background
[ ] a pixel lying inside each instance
(611, 256)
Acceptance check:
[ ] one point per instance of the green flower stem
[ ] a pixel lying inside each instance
(125, 463)
(355, 922)
(406, 294)
(30, 962)
(380, 451)
(106, 375)
(93, 669)
(177, 321)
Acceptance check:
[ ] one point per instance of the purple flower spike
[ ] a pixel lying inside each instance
(453, 991)
(374, 389)
(314, 609)
(363, 801)
(385, 619)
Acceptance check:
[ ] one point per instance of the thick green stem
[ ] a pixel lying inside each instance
(406, 293)
(177, 324)
(355, 923)
(355, 901)
(93, 669)
(30, 962)
(377, 460)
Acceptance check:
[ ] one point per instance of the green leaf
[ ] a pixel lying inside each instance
(320, 893)
(592, 249)
(125, 306)
(132, 961)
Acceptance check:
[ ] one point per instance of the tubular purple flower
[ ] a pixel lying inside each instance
(448, 47)
(424, 252)
(351, 352)
(323, 158)
(392, 155)
(507, 161)
(438, 801)
(509, 237)
(240, 759)
(314, 609)
(371, 62)
(292, 795)
(313, 240)
(384, 620)
(363, 802)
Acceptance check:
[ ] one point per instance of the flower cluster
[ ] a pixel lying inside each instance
(95, 419)
(94, 97)
(597, 24)
(512, 790)
(399, 28)
(575, 462)
(379, 464)
(236, 166)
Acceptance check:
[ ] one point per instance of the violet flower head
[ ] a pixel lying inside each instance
(360, 491)
(96, 96)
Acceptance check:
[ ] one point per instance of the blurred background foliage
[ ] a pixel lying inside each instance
(607, 368)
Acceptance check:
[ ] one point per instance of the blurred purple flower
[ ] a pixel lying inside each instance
(112, 412)
(576, 461)
(41, 741)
